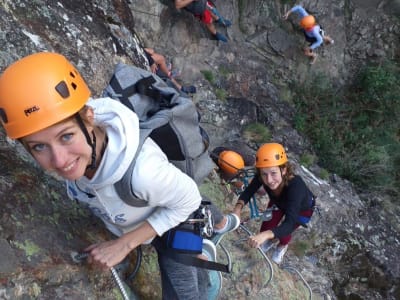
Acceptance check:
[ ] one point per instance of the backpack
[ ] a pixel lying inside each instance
(166, 116)
(172, 121)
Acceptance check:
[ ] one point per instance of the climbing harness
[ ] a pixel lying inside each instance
(203, 220)
(267, 214)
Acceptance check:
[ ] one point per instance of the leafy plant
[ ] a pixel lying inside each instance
(208, 75)
(307, 159)
(356, 132)
(221, 94)
(256, 132)
(223, 71)
(324, 174)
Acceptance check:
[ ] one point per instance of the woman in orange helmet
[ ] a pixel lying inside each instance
(290, 198)
(46, 105)
(313, 32)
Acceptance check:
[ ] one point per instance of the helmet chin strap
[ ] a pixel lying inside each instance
(91, 143)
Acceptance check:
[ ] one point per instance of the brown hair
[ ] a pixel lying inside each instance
(285, 178)
(289, 172)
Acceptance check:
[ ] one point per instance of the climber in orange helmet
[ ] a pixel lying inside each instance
(290, 200)
(46, 105)
(313, 32)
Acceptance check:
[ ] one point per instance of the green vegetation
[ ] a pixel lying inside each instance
(222, 74)
(29, 247)
(300, 248)
(256, 132)
(356, 131)
(221, 94)
(208, 75)
(324, 174)
(307, 159)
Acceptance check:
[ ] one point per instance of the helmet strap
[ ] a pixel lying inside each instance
(91, 142)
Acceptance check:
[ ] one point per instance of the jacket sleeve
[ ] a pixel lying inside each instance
(295, 193)
(251, 189)
(174, 194)
(299, 10)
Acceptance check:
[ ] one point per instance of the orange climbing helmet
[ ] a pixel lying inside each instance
(270, 155)
(230, 162)
(307, 22)
(38, 91)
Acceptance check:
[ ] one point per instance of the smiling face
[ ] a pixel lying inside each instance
(272, 177)
(61, 148)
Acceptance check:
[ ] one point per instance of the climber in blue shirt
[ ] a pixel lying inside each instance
(313, 32)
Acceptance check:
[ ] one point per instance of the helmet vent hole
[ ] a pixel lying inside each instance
(73, 85)
(3, 115)
(72, 74)
(62, 89)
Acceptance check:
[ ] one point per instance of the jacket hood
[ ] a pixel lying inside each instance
(122, 128)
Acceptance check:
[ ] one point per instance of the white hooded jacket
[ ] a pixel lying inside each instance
(172, 195)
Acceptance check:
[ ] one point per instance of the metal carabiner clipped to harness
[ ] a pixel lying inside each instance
(203, 219)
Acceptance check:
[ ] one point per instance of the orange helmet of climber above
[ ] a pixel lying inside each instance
(230, 162)
(38, 91)
(307, 22)
(270, 155)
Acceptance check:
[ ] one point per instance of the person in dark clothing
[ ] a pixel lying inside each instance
(207, 13)
(290, 198)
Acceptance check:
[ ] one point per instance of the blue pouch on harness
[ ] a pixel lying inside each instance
(184, 240)
(303, 220)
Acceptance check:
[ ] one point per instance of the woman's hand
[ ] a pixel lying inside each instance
(255, 241)
(108, 254)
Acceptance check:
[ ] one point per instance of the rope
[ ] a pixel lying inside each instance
(119, 283)
(271, 269)
(139, 255)
(79, 257)
(289, 268)
(229, 264)
(285, 267)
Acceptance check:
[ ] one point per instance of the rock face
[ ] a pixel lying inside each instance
(349, 251)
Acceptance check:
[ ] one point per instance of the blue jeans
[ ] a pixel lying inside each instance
(182, 282)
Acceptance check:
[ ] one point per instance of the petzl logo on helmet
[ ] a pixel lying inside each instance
(30, 110)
